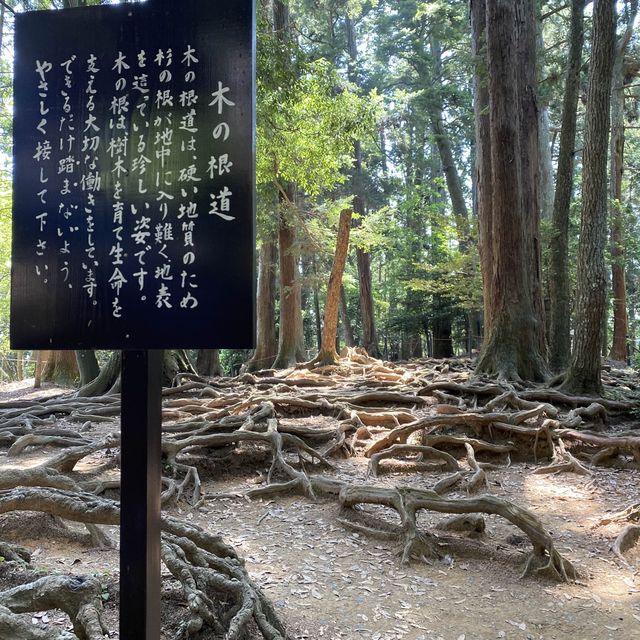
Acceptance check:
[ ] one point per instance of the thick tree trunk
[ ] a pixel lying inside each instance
(347, 330)
(291, 340)
(87, 365)
(559, 292)
(442, 342)
(327, 354)
(618, 249)
(107, 381)
(512, 349)
(584, 373)
(527, 83)
(266, 338)
(61, 368)
(482, 193)
(208, 363)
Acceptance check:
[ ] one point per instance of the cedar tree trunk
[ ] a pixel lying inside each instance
(559, 293)
(266, 338)
(584, 373)
(512, 349)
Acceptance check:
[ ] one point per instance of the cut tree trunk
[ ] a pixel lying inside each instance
(584, 373)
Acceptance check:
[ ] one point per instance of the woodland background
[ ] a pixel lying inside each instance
(367, 109)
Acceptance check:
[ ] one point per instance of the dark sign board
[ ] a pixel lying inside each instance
(133, 205)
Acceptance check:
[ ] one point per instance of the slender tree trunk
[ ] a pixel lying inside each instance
(41, 360)
(363, 258)
(266, 338)
(559, 291)
(584, 372)
(291, 340)
(347, 330)
(87, 365)
(316, 304)
(291, 336)
(327, 354)
(618, 250)
(20, 365)
(208, 363)
(512, 350)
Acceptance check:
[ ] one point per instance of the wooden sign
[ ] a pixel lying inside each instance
(133, 205)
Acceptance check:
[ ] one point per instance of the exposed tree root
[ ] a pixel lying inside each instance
(406, 501)
(79, 597)
(627, 539)
(219, 592)
(563, 462)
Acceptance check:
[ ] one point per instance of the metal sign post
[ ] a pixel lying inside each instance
(141, 476)
(134, 215)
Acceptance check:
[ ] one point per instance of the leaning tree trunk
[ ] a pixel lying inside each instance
(512, 349)
(559, 291)
(327, 354)
(87, 365)
(584, 373)
(618, 252)
(61, 368)
(266, 338)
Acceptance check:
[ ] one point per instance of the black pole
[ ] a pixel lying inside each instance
(141, 476)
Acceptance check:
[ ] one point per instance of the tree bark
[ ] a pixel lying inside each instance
(559, 292)
(208, 363)
(41, 359)
(87, 365)
(584, 372)
(347, 330)
(618, 249)
(363, 258)
(527, 83)
(266, 338)
(291, 340)
(327, 354)
(61, 368)
(512, 350)
(483, 171)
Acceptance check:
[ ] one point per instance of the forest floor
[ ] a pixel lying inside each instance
(330, 581)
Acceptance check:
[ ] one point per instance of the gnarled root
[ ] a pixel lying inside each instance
(79, 597)
(207, 580)
(628, 538)
(406, 501)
